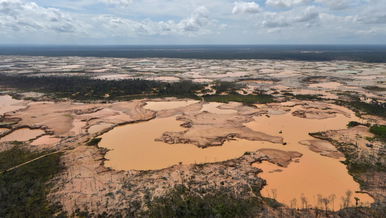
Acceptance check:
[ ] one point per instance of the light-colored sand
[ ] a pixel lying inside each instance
(326, 85)
(167, 105)
(22, 135)
(216, 108)
(325, 148)
(46, 140)
(9, 104)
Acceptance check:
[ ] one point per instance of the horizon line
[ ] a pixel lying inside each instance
(134, 45)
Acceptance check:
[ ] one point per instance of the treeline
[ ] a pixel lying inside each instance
(85, 88)
(245, 99)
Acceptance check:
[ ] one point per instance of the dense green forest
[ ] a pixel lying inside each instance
(246, 99)
(23, 190)
(85, 88)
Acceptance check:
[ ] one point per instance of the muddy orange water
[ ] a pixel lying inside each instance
(314, 174)
(138, 149)
(133, 147)
(23, 134)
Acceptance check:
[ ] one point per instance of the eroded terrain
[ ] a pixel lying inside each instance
(291, 148)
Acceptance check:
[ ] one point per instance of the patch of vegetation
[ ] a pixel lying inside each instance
(373, 108)
(245, 99)
(183, 202)
(227, 87)
(273, 203)
(94, 141)
(15, 156)
(305, 97)
(379, 131)
(312, 79)
(7, 124)
(353, 124)
(375, 211)
(357, 162)
(23, 191)
(85, 88)
(375, 88)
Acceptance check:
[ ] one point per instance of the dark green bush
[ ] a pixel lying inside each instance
(246, 99)
(353, 124)
(379, 131)
(94, 141)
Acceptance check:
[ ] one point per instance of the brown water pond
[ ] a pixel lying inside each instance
(134, 147)
(138, 149)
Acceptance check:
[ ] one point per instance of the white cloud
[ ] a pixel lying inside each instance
(286, 3)
(20, 16)
(197, 23)
(245, 8)
(337, 4)
(372, 19)
(275, 22)
(310, 14)
(192, 21)
(301, 17)
(123, 3)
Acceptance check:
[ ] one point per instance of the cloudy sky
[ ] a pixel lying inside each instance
(80, 22)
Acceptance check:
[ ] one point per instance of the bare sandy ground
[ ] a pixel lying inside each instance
(208, 129)
(323, 147)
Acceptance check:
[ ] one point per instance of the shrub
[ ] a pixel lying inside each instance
(94, 141)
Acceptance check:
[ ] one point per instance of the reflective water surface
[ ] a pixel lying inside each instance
(138, 149)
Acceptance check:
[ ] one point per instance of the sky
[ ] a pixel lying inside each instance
(173, 22)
